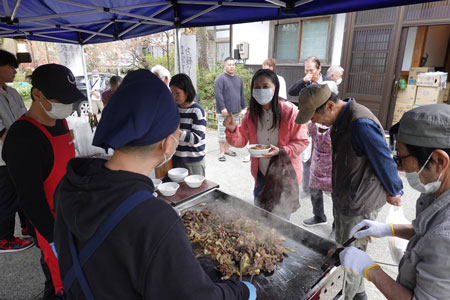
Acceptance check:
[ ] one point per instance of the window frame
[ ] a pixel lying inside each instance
(273, 36)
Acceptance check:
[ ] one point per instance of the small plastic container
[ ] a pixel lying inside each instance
(168, 188)
(194, 181)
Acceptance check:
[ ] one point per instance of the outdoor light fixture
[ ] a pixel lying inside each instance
(23, 56)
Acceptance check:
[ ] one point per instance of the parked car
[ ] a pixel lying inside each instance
(81, 107)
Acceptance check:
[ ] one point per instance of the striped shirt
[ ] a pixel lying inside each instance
(192, 147)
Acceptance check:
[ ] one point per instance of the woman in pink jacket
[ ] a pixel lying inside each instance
(268, 121)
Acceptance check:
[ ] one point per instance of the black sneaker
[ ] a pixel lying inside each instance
(14, 245)
(314, 221)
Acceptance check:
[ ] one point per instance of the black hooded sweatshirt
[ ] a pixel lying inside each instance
(146, 256)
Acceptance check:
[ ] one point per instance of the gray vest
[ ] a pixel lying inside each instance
(356, 188)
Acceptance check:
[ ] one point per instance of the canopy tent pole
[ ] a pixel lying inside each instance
(86, 79)
(15, 10)
(177, 33)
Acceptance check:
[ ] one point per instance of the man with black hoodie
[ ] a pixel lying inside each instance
(145, 255)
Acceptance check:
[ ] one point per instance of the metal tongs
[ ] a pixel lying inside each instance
(332, 259)
(241, 267)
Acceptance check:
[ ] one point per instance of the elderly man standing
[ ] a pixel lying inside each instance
(11, 108)
(229, 93)
(36, 151)
(364, 175)
(162, 74)
(313, 76)
(97, 85)
(335, 73)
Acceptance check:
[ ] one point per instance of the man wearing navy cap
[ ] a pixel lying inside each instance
(111, 249)
(36, 151)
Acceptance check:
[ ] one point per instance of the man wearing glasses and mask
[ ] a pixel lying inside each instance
(423, 153)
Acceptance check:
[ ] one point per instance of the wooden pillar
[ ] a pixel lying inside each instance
(419, 45)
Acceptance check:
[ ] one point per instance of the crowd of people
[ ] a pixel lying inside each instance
(88, 213)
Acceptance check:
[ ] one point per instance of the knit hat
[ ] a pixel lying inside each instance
(141, 112)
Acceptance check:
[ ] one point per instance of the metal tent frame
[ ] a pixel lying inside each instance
(82, 22)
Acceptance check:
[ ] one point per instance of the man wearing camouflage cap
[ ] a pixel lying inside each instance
(364, 174)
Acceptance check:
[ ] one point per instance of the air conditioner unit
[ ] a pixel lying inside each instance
(243, 50)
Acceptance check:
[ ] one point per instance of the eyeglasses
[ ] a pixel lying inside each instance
(398, 159)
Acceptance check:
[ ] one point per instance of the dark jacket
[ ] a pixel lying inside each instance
(147, 256)
(295, 89)
(356, 188)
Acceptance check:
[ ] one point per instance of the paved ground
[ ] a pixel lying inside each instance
(21, 277)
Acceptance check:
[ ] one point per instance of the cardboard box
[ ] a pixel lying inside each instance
(414, 72)
(429, 95)
(407, 95)
(433, 79)
(400, 109)
(447, 94)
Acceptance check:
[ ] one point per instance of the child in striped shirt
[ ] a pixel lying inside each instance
(191, 150)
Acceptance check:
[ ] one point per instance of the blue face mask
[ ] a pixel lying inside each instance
(414, 181)
(263, 96)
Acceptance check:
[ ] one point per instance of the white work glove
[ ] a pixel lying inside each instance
(356, 261)
(376, 229)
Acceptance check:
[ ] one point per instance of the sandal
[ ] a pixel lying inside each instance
(230, 153)
(222, 158)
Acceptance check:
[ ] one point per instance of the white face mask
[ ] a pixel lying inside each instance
(58, 111)
(263, 96)
(165, 157)
(414, 181)
(339, 81)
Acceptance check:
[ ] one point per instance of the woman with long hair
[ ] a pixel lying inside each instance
(269, 121)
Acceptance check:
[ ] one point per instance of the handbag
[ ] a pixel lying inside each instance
(280, 190)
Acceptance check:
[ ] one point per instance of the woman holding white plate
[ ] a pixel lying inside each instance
(268, 121)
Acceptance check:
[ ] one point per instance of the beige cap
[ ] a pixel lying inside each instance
(311, 98)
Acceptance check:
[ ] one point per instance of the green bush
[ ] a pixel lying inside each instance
(24, 89)
(162, 60)
(205, 84)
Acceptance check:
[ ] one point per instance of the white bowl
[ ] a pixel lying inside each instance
(168, 188)
(194, 181)
(156, 182)
(177, 174)
(258, 152)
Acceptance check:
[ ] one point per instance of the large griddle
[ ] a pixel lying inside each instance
(299, 275)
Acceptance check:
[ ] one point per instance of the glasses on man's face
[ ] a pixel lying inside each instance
(398, 159)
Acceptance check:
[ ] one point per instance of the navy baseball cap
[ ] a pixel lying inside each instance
(141, 112)
(56, 82)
